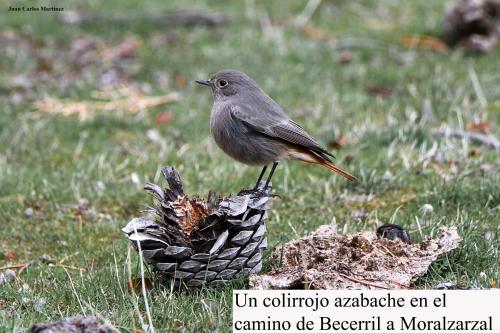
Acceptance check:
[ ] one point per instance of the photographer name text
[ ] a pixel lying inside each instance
(35, 9)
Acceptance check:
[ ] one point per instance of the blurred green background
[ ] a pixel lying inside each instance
(372, 80)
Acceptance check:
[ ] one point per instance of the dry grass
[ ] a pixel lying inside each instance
(67, 187)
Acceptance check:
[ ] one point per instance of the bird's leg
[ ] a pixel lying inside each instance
(260, 177)
(275, 164)
(255, 189)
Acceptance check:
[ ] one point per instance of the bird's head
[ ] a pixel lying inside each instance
(229, 82)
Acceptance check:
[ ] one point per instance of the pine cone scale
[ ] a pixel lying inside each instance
(194, 242)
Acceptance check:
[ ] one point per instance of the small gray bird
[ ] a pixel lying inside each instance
(252, 128)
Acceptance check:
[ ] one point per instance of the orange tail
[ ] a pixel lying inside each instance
(309, 157)
(338, 170)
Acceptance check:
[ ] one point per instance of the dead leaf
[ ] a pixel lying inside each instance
(380, 90)
(135, 285)
(425, 42)
(178, 326)
(82, 209)
(338, 143)
(10, 255)
(125, 49)
(180, 80)
(314, 32)
(483, 127)
(43, 65)
(164, 118)
(326, 260)
(345, 57)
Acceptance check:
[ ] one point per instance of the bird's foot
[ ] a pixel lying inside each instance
(247, 191)
(258, 191)
(262, 190)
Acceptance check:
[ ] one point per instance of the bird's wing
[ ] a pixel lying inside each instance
(279, 127)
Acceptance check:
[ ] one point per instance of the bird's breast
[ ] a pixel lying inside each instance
(238, 142)
(228, 134)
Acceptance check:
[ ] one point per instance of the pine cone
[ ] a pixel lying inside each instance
(196, 241)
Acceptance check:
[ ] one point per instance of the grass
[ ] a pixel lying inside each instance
(51, 163)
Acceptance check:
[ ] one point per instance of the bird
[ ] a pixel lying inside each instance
(252, 128)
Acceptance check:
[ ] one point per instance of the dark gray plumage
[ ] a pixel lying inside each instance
(251, 127)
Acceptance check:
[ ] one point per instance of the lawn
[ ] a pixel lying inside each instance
(68, 185)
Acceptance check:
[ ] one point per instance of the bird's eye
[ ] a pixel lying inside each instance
(222, 83)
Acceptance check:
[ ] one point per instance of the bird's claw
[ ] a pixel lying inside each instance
(258, 192)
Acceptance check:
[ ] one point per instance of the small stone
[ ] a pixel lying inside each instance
(10, 275)
(28, 212)
(100, 186)
(447, 285)
(46, 259)
(345, 57)
(103, 217)
(2, 278)
(387, 175)
(485, 168)
(83, 203)
(134, 177)
(154, 135)
(17, 98)
(359, 214)
(426, 209)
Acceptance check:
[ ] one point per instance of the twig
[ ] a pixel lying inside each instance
(22, 270)
(67, 257)
(22, 266)
(389, 251)
(69, 267)
(366, 283)
(399, 284)
(487, 140)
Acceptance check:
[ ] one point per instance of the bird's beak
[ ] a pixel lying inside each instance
(203, 82)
